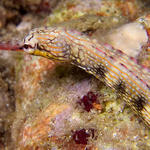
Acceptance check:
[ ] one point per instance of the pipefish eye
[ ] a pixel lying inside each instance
(25, 46)
(28, 48)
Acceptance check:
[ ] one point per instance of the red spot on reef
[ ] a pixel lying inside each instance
(89, 102)
(45, 6)
(81, 136)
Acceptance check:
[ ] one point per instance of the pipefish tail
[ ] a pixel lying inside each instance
(113, 67)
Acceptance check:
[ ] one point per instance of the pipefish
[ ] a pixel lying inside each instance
(116, 69)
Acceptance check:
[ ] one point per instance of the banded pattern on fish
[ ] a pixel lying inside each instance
(112, 66)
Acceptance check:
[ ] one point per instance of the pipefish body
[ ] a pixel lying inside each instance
(113, 67)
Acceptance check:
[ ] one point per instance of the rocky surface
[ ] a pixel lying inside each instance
(48, 105)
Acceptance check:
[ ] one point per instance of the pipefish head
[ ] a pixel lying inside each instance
(47, 42)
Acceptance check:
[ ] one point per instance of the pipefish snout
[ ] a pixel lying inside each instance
(113, 67)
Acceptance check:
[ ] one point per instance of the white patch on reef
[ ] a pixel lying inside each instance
(129, 38)
(24, 26)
